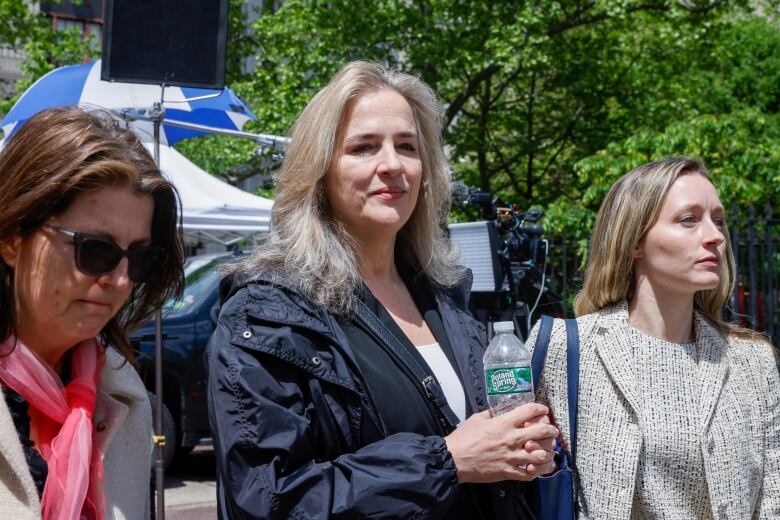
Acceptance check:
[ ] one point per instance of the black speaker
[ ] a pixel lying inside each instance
(175, 42)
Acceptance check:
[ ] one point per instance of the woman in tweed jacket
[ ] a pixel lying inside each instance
(678, 412)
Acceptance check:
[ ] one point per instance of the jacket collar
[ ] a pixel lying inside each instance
(120, 387)
(452, 303)
(11, 451)
(278, 301)
(284, 304)
(614, 348)
(615, 351)
(119, 379)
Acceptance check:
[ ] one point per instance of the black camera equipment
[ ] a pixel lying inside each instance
(508, 256)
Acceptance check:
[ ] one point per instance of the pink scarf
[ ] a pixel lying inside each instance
(63, 421)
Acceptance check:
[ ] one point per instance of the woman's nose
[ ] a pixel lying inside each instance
(713, 234)
(389, 160)
(118, 276)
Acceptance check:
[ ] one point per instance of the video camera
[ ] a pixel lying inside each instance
(508, 258)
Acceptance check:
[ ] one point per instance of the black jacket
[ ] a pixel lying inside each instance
(286, 403)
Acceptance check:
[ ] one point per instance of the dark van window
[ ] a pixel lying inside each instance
(200, 281)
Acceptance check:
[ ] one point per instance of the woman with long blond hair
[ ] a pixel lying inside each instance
(678, 411)
(314, 414)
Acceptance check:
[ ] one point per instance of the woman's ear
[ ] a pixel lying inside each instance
(9, 251)
(639, 250)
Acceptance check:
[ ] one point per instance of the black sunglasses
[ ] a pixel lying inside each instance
(97, 255)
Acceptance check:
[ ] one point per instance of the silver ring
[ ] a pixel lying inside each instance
(523, 466)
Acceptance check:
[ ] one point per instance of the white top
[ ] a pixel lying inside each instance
(445, 374)
(671, 465)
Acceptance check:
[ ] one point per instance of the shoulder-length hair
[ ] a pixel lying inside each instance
(307, 247)
(628, 212)
(61, 153)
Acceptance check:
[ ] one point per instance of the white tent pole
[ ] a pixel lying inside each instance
(270, 141)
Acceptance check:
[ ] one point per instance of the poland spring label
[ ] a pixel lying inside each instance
(509, 380)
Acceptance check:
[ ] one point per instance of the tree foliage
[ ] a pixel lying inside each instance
(44, 47)
(542, 100)
(723, 107)
(545, 103)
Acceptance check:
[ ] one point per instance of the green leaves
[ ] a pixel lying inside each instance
(546, 103)
(44, 47)
(718, 101)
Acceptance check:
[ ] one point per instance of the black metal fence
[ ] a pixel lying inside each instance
(754, 239)
(755, 235)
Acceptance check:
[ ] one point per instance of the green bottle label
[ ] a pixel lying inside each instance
(510, 380)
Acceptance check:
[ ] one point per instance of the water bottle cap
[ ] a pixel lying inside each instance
(503, 326)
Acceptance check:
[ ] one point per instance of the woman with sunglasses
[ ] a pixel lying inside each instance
(89, 248)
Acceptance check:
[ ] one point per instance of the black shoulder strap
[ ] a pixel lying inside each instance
(429, 384)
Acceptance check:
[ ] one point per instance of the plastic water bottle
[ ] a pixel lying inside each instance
(507, 370)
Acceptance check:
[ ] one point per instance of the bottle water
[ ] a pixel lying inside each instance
(507, 370)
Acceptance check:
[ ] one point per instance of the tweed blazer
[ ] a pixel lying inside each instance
(123, 430)
(739, 433)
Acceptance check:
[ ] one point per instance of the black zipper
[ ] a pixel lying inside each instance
(435, 413)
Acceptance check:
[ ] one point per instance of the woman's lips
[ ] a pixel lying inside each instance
(710, 261)
(389, 193)
(96, 304)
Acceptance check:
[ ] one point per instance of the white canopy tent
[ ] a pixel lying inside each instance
(212, 209)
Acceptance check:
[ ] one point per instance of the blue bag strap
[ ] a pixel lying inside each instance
(572, 378)
(572, 367)
(540, 350)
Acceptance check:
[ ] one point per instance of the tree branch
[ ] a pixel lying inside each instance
(471, 86)
(468, 90)
(572, 23)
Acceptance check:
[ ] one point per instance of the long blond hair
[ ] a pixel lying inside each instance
(628, 212)
(307, 246)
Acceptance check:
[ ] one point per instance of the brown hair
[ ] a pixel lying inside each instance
(628, 212)
(60, 153)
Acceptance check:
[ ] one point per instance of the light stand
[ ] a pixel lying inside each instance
(157, 115)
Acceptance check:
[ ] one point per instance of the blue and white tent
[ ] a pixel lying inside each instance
(81, 85)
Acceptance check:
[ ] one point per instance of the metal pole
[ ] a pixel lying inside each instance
(269, 141)
(735, 250)
(565, 267)
(158, 114)
(771, 261)
(753, 267)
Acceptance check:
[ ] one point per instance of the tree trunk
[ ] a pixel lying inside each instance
(529, 177)
(484, 112)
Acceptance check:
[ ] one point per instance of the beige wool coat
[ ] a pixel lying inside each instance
(739, 434)
(123, 430)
